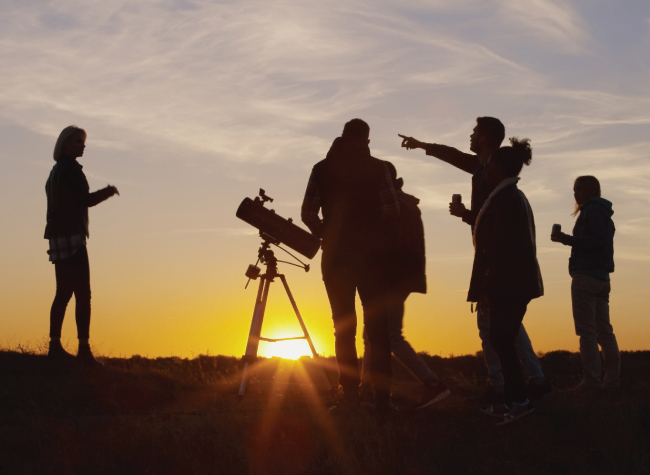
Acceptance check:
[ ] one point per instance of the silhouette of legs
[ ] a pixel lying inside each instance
(506, 315)
(341, 289)
(523, 346)
(402, 350)
(72, 277)
(590, 301)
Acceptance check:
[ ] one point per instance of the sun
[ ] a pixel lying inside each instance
(290, 350)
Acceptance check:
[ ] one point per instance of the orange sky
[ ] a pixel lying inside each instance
(189, 110)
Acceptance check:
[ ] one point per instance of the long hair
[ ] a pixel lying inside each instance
(63, 136)
(591, 185)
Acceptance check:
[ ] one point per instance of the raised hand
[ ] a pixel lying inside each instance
(410, 143)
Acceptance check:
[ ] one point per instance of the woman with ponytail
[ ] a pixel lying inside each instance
(505, 274)
(591, 262)
(68, 200)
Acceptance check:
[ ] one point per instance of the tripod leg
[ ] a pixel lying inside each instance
(303, 326)
(255, 332)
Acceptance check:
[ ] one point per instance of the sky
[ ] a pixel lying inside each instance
(191, 106)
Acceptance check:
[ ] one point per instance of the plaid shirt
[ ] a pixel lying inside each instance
(311, 203)
(65, 247)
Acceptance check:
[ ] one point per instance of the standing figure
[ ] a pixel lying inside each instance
(68, 200)
(591, 262)
(409, 276)
(359, 206)
(486, 138)
(505, 274)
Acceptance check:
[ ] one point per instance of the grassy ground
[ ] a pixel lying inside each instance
(180, 416)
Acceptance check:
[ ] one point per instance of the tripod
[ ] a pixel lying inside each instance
(267, 257)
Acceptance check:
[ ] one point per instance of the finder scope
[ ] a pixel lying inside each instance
(283, 231)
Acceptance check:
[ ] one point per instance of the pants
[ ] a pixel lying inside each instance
(341, 284)
(590, 300)
(506, 314)
(72, 277)
(401, 349)
(523, 346)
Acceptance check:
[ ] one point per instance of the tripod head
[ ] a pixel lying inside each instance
(267, 257)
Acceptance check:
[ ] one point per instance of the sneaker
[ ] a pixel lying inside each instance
(85, 356)
(517, 411)
(491, 395)
(433, 394)
(538, 391)
(57, 353)
(496, 410)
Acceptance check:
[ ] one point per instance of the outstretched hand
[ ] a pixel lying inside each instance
(410, 143)
(114, 190)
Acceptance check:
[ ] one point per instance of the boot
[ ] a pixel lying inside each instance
(57, 353)
(85, 357)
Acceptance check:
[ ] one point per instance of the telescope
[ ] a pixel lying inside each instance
(274, 230)
(278, 229)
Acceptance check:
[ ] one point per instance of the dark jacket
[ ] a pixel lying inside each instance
(68, 199)
(505, 260)
(411, 255)
(349, 180)
(592, 243)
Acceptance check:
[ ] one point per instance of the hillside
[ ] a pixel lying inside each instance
(172, 415)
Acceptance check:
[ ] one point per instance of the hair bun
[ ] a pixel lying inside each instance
(522, 149)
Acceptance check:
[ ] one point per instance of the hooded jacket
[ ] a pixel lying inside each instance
(592, 242)
(349, 181)
(505, 257)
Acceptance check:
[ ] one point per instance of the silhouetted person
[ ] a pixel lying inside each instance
(358, 203)
(591, 262)
(486, 138)
(68, 200)
(409, 275)
(505, 274)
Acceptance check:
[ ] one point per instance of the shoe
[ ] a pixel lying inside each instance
(85, 357)
(538, 391)
(517, 411)
(491, 395)
(496, 410)
(433, 394)
(57, 353)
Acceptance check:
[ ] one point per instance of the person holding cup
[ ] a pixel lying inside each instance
(591, 262)
(505, 273)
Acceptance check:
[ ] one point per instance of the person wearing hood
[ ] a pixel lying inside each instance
(359, 206)
(591, 262)
(505, 273)
(68, 200)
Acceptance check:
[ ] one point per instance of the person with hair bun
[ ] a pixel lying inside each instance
(486, 138)
(591, 262)
(68, 200)
(505, 274)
